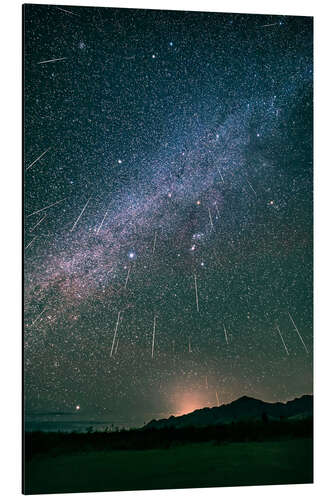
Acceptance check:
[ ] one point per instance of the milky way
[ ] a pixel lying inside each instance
(168, 210)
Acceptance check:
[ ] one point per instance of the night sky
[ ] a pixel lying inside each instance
(168, 210)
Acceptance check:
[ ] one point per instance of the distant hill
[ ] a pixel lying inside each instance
(244, 408)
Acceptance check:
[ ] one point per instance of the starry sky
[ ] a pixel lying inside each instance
(167, 210)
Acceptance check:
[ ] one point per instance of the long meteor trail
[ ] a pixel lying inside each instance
(39, 157)
(52, 60)
(79, 217)
(101, 224)
(115, 334)
(41, 220)
(283, 342)
(300, 336)
(116, 350)
(28, 245)
(153, 342)
(45, 208)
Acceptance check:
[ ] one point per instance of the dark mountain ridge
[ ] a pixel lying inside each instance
(244, 408)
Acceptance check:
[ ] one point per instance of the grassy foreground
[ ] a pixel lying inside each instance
(187, 466)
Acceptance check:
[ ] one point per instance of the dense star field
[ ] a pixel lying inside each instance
(168, 210)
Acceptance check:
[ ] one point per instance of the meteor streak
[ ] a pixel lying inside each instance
(101, 224)
(39, 157)
(249, 183)
(28, 245)
(79, 217)
(283, 342)
(115, 334)
(52, 60)
(127, 277)
(300, 336)
(41, 220)
(116, 350)
(153, 342)
(45, 208)
(225, 334)
(67, 11)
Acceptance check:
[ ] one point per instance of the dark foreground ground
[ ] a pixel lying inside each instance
(186, 466)
(237, 454)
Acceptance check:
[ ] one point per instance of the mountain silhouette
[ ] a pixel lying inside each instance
(244, 408)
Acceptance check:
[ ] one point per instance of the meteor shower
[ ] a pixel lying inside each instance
(168, 326)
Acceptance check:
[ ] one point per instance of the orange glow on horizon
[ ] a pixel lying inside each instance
(188, 402)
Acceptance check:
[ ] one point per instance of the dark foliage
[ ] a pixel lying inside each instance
(56, 443)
